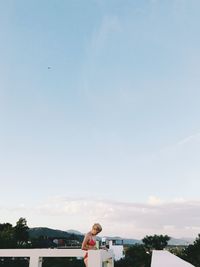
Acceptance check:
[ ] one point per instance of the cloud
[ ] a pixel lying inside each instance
(177, 218)
(154, 200)
(189, 139)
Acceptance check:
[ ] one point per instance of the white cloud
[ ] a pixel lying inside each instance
(188, 139)
(133, 220)
(175, 218)
(154, 200)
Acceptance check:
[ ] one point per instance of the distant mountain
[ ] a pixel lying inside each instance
(180, 242)
(127, 241)
(71, 231)
(171, 242)
(44, 231)
(52, 233)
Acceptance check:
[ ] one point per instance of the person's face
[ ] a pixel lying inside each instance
(95, 230)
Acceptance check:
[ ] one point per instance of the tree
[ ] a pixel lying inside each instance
(136, 256)
(62, 262)
(7, 239)
(157, 242)
(192, 253)
(139, 256)
(21, 232)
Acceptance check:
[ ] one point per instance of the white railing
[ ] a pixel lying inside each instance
(96, 258)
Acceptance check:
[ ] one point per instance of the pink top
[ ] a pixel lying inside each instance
(91, 242)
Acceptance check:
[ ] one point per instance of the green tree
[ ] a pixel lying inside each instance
(139, 256)
(136, 256)
(192, 253)
(157, 242)
(21, 232)
(7, 239)
(179, 251)
(62, 262)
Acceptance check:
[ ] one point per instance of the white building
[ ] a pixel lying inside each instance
(116, 245)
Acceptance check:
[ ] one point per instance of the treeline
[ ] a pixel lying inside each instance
(21, 236)
(190, 253)
(14, 236)
(138, 255)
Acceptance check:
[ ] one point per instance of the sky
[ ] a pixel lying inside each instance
(100, 116)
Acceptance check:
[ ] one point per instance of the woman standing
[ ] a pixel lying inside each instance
(89, 241)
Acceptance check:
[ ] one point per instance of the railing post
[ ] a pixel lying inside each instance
(110, 263)
(35, 261)
(94, 258)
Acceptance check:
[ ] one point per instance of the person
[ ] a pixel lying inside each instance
(89, 241)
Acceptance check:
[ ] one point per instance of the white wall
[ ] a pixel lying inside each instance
(117, 250)
(95, 257)
(162, 258)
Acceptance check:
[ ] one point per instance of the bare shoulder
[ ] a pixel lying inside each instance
(87, 236)
(85, 241)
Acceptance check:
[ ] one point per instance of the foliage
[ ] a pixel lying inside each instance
(7, 236)
(17, 262)
(158, 242)
(21, 232)
(13, 237)
(42, 242)
(179, 251)
(136, 255)
(62, 262)
(192, 253)
(140, 257)
(124, 263)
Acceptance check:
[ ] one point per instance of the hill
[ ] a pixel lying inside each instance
(52, 233)
(180, 242)
(76, 235)
(71, 231)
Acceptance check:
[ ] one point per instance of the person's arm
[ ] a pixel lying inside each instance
(85, 242)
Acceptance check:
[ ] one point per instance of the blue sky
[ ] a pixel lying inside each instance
(99, 104)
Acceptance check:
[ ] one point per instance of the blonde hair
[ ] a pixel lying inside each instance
(98, 226)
